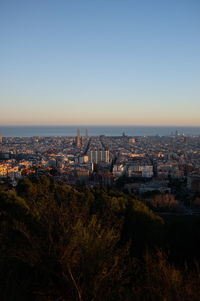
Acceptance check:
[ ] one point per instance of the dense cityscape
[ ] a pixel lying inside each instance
(152, 165)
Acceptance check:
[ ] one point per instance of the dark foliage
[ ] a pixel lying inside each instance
(62, 243)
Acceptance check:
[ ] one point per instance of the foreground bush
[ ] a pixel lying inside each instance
(61, 243)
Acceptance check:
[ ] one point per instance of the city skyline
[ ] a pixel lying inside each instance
(99, 63)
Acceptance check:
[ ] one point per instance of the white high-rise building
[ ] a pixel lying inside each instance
(97, 156)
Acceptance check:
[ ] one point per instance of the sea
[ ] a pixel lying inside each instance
(32, 131)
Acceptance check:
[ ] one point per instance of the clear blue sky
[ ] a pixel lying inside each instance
(100, 62)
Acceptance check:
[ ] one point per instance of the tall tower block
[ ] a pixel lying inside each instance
(1, 138)
(78, 138)
(86, 133)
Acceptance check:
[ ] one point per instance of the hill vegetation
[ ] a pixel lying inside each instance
(77, 244)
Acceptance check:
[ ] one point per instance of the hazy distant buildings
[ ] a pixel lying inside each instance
(131, 140)
(88, 160)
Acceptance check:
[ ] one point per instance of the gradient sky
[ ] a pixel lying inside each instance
(100, 62)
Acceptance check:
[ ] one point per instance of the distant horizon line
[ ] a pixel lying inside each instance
(95, 125)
